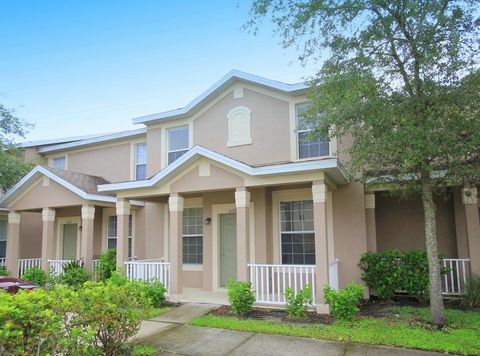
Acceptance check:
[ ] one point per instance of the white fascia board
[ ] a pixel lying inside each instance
(94, 140)
(54, 141)
(230, 76)
(198, 151)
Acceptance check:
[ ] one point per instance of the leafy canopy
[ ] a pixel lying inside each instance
(400, 76)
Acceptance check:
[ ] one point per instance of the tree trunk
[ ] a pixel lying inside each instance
(436, 299)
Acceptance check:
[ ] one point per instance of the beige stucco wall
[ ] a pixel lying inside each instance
(109, 162)
(40, 196)
(155, 146)
(31, 155)
(139, 250)
(31, 235)
(399, 223)
(349, 231)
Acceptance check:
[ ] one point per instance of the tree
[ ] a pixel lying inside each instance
(12, 164)
(402, 78)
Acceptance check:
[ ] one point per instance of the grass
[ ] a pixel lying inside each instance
(154, 312)
(403, 327)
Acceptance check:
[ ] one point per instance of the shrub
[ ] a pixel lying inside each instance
(241, 297)
(344, 303)
(107, 264)
(394, 271)
(471, 297)
(3, 271)
(74, 274)
(155, 292)
(35, 275)
(297, 304)
(117, 278)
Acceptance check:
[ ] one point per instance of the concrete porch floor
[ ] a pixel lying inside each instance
(197, 295)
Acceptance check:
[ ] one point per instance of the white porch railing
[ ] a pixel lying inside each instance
(56, 266)
(3, 262)
(270, 281)
(147, 270)
(28, 263)
(458, 271)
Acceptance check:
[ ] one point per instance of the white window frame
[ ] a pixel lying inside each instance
(191, 265)
(52, 159)
(299, 131)
(136, 164)
(168, 151)
(111, 212)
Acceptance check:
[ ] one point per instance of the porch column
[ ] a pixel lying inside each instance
(319, 192)
(123, 213)
(470, 200)
(48, 250)
(370, 222)
(13, 243)
(175, 206)
(88, 215)
(242, 203)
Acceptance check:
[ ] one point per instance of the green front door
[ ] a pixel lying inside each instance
(69, 241)
(228, 247)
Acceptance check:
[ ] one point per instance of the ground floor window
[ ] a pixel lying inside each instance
(297, 232)
(112, 233)
(192, 236)
(3, 238)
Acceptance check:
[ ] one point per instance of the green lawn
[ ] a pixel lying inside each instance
(404, 327)
(156, 312)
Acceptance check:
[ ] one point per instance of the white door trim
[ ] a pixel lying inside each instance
(68, 220)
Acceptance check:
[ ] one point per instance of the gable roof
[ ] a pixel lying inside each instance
(55, 141)
(331, 165)
(220, 85)
(80, 184)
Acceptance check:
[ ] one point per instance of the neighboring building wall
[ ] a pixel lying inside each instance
(31, 155)
(109, 162)
(400, 224)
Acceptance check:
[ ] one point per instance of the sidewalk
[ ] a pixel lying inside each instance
(169, 334)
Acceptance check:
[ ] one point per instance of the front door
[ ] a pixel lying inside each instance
(228, 247)
(69, 241)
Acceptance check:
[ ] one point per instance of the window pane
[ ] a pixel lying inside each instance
(3, 249)
(59, 163)
(312, 145)
(297, 233)
(141, 153)
(173, 156)
(193, 235)
(112, 226)
(112, 243)
(141, 172)
(178, 138)
(130, 246)
(3, 230)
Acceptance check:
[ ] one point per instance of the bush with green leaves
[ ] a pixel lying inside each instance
(344, 303)
(471, 296)
(3, 271)
(74, 274)
(297, 304)
(35, 275)
(107, 264)
(394, 271)
(241, 297)
(155, 292)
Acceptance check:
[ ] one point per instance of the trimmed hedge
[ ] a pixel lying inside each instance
(394, 271)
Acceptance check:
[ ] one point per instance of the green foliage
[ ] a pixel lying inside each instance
(107, 264)
(4, 272)
(344, 303)
(117, 278)
(297, 304)
(95, 319)
(74, 276)
(241, 297)
(471, 296)
(392, 271)
(155, 293)
(35, 275)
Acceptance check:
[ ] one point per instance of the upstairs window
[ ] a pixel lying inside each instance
(141, 161)
(309, 143)
(59, 162)
(177, 142)
(297, 232)
(3, 238)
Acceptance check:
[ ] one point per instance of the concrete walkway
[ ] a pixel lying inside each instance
(169, 334)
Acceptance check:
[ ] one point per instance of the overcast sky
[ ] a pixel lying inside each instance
(83, 67)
